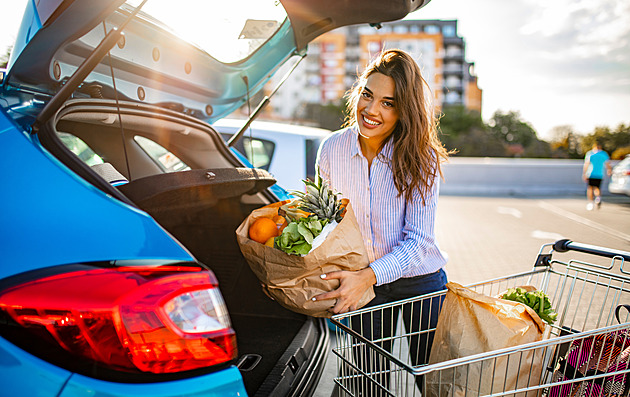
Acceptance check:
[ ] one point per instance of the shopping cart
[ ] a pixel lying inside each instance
(585, 294)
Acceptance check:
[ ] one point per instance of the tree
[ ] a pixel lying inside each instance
(511, 129)
(477, 142)
(520, 137)
(565, 143)
(4, 58)
(464, 131)
(611, 140)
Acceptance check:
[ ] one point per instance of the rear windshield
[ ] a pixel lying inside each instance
(229, 31)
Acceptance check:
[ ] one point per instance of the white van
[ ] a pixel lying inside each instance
(287, 151)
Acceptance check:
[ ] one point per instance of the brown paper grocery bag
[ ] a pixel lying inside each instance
(472, 323)
(294, 280)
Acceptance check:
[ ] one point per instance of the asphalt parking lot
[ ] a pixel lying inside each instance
(489, 237)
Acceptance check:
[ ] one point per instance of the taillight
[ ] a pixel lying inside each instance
(158, 320)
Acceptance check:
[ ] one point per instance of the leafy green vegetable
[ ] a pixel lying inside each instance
(297, 237)
(537, 300)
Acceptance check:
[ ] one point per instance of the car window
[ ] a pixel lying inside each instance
(243, 25)
(259, 152)
(312, 146)
(624, 163)
(167, 160)
(80, 149)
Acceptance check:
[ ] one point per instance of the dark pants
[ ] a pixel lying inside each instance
(380, 325)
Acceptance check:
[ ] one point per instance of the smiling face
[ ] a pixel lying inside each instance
(377, 114)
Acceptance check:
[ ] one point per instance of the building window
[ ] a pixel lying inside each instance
(448, 30)
(400, 29)
(432, 29)
(374, 47)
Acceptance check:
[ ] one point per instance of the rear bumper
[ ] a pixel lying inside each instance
(298, 371)
(26, 375)
(227, 382)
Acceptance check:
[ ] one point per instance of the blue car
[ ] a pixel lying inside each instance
(120, 274)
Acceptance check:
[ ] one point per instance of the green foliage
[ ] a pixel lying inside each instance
(4, 58)
(506, 135)
(565, 143)
(621, 153)
(537, 300)
(456, 120)
(297, 237)
(611, 140)
(509, 128)
(464, 131)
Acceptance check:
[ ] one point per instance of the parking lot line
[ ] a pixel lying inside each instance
(576, 218)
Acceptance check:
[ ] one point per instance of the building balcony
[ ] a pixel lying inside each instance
(453, 56)
(458, 87)
(453, 40)
(451, 70)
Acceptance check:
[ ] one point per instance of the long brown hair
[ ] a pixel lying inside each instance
(418, 152)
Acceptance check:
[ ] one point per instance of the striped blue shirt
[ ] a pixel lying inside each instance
(399, 237)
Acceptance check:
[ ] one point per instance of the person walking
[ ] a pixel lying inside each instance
(387, 161)
(596, 162)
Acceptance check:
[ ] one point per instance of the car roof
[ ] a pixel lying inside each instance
(273, 127)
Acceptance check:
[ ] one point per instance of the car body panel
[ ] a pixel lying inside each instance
(227, 382)
(58, 211)
(208, 89)
(41, 194)
(290, 163)
(27, 375)
(620, 177)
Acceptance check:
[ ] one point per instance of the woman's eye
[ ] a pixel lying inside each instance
(388, 104)
(366, 95)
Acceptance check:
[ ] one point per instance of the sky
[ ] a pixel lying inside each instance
(557, 63)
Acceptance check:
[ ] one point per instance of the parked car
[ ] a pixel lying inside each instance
(287, 151)
(119, 268)
(620, 178)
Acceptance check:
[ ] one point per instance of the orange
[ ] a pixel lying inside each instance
(262, 230)
(281, 222)
(270, 242)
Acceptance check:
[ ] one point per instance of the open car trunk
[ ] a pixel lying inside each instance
(201, 206)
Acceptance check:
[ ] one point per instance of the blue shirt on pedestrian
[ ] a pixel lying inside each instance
(399, 236)
(596, 161)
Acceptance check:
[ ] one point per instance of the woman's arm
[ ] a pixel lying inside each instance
(416, 252)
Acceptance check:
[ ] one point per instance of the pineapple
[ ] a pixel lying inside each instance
(320, 200)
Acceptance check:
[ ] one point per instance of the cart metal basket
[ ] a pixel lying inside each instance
(585, 294)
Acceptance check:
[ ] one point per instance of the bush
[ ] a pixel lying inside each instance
(621, 153)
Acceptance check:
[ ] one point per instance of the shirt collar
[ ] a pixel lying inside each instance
(356, 148)
(385, 154)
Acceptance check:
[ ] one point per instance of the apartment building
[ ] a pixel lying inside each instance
(335, 59)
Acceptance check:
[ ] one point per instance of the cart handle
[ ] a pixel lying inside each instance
(568, 245)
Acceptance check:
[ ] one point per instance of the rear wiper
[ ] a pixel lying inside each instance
(265, 101)
(95, 57)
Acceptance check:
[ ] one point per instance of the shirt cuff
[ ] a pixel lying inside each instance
(386, 269)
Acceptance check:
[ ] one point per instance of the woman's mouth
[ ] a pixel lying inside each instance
(370, 122)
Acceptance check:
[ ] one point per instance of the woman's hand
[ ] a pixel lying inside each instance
(352, 286)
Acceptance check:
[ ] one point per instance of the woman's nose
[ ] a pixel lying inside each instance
(369, 107)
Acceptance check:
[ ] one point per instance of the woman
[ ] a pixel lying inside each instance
(387, 162)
